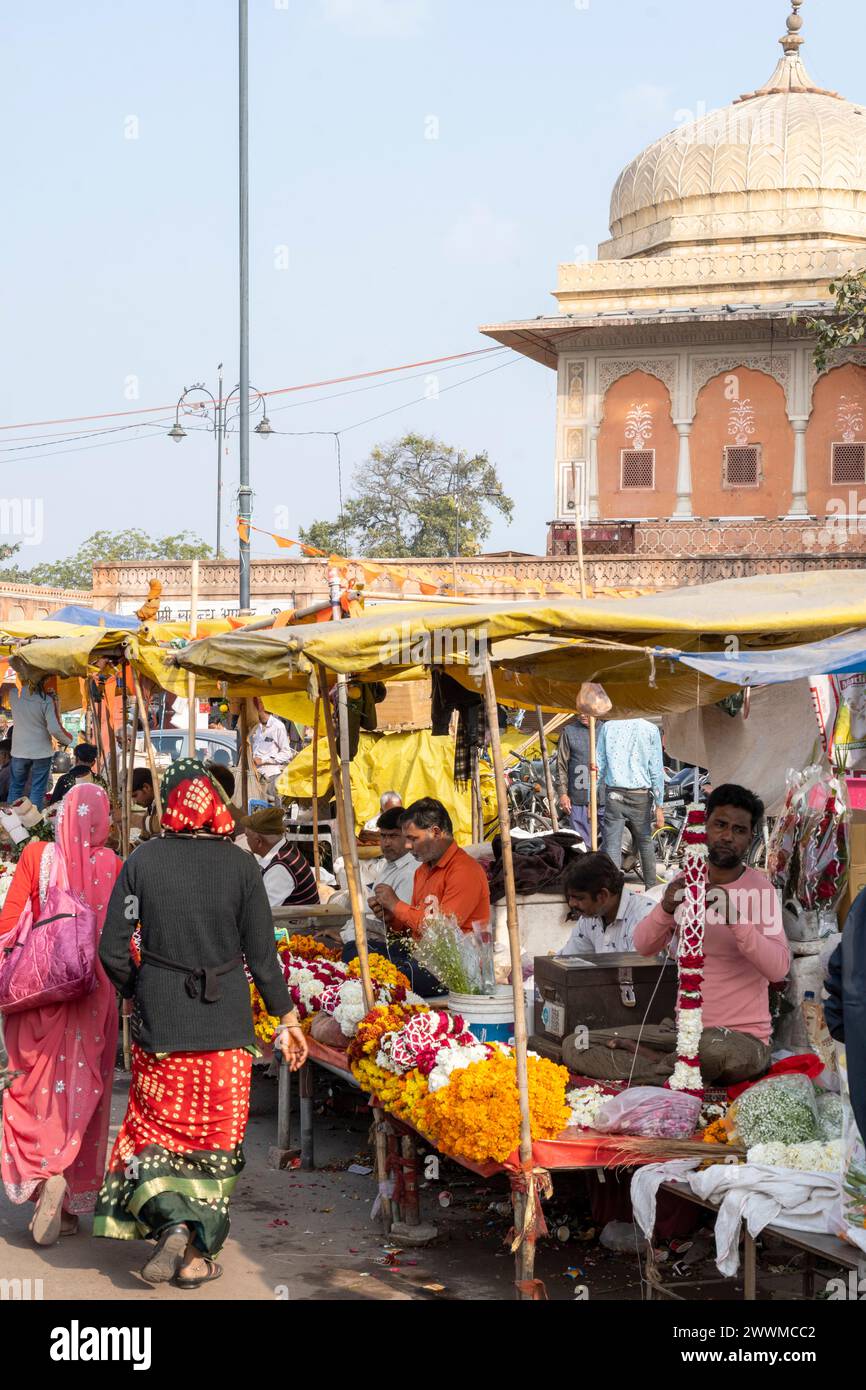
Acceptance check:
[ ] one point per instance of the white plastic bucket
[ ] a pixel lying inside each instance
(489, 1016)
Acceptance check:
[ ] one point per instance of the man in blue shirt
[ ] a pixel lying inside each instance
(631, 769)
(572, 776)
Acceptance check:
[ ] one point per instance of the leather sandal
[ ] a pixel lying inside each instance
(45, 1226)
(214, 1272)
(165, 1259)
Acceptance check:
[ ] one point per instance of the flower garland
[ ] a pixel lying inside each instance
(419, 1042)
(586, 1103)
(382, 972)
(477, 1115)
(384, 1018)
(307, 948)
(691, 917)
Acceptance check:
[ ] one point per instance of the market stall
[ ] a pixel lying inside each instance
(420, 1064)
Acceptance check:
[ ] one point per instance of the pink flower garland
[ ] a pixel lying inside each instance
(423, 1037)
(691, 918)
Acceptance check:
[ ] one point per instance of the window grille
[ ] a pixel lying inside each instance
(638, 468)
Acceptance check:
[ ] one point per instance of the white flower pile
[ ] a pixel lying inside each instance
(585, 1102)
(351, 1008)
(451, 1059)
(812, 1157)
(779, 1110)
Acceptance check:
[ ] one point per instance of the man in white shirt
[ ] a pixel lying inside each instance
(607, 910)
(387, 802)
(271, 748)
(397, 872)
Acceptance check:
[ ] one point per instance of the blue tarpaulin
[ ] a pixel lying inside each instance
(94, 617)
(836, 656)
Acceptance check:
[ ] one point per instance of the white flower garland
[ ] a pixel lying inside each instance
(585, 1102)
(691, 920)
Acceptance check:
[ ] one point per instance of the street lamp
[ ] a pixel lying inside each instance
(194, 401)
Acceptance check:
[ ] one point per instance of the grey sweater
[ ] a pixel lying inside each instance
(200, 902)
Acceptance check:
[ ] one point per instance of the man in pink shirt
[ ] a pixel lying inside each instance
(745, 945)
(745, 952)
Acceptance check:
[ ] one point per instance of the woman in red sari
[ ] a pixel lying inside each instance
(55, 1115)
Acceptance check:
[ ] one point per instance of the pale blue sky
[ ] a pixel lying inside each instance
(120, 253)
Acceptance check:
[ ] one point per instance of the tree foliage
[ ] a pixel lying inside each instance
(847, 327)
(105, 547)
(415, 496)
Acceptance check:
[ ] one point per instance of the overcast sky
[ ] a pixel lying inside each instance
(372, 244)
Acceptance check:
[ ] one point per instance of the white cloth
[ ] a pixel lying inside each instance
(751, 1192)
(278, 880)
(35, 721)
(270, 742)
(592, 935)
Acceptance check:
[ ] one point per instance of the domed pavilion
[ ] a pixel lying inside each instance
(693, 430)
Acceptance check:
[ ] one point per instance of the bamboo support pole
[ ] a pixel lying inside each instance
(593, 772)
(526, 1249)
(555, 723)
(346, 825)
(128, 759)
(548, 776)
(190, 680)
(101, 760)
(477, 811)
(317, 862)
(148, 743)
(112, 753)
(244, 724)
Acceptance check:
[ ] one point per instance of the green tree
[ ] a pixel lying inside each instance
(415, 496)
(103, 547)
(847, 327)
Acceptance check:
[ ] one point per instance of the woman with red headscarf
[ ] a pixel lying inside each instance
(202, 911)
(55, 1114)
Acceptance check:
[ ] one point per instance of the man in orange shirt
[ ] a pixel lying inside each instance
(447, 873)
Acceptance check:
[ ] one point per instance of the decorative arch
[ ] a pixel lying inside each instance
(636, 419)
(778, 365)
(838, 416)
(741, 407)
(612, 369)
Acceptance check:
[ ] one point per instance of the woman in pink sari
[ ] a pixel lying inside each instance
(55, 1115)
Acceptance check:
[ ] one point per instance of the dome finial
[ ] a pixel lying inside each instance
(793, 41)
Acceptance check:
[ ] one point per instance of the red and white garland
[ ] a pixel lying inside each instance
(691, 917)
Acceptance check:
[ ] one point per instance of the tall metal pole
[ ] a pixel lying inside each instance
(244, 493)
(220, 420)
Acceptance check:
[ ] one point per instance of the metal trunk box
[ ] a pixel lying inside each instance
(604, 990)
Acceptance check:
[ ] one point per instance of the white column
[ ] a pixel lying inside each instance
(799, 481)
(593, 512)
(683, 508)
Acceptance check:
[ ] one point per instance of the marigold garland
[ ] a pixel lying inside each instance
(307, 948)
(477, 1115)
(382, 972)
(384, 1018)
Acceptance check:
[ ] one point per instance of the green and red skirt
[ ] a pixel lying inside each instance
(179, 1151)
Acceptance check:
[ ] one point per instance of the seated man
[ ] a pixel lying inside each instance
(286, 874)
(606, 908)
(447, 874)
(82, 771)
(745, 950)
(398, 873)
(143, 798)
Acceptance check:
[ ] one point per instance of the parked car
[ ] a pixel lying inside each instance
(211, 745)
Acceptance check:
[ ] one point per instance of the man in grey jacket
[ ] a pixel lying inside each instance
(35, 722)
(572, 777)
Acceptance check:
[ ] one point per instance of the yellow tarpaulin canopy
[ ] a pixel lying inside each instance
(542, 651)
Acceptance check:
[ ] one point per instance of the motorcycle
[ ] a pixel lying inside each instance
(679, 795)
(527, 797)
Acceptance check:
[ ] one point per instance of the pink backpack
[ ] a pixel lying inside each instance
(51, 960)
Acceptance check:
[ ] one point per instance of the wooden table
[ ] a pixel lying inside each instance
(815, 1245)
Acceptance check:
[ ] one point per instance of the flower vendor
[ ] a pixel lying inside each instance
(286, 874)
(845, 1007)
(397, 872)
(745, 949)
(607, 910)
(447, 873)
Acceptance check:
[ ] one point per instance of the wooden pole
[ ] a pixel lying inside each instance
(593, 774)
(101, 763)
(245, 755)
(317, 863)
(477, 813)
(190, 680)
(112, 751)
(346, 824)
(128, 760)
(148, 743)
(548, 777)
(526, 1249)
